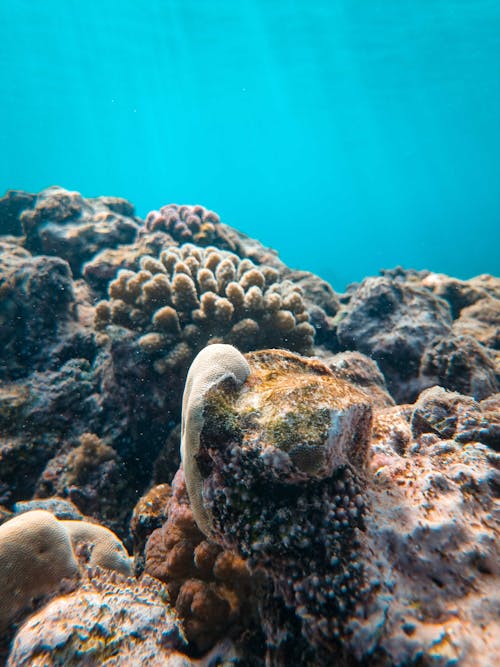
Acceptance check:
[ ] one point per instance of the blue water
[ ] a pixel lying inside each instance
(350, 134)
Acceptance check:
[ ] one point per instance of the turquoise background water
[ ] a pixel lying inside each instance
(351, 135)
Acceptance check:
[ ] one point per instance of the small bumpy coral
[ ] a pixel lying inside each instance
(192, 224)
(210, 587)
(189, 297)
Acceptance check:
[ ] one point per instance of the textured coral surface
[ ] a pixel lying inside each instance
(210, 587)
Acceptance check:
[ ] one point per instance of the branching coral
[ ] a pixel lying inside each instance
(188, 297)
(193, 224)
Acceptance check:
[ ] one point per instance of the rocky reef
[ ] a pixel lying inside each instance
(337, 500)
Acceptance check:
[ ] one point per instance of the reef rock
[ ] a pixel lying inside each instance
(63, 223)
(109, 620)
(374, 546)
(393, 323)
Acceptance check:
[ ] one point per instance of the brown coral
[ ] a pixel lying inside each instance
(188, 297)
(209, 587)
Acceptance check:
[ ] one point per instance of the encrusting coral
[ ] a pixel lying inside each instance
(107, 620)
(188, 297)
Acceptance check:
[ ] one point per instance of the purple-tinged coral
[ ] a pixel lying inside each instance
(189, 224)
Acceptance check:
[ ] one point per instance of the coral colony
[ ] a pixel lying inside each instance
(301, 477)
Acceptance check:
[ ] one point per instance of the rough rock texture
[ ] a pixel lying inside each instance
(35, 308)
(65, 224)
(452, 416)
(393, 323)
(433, 527)
(108, 620)
(209, 587)
(375, 547)
(424, 329)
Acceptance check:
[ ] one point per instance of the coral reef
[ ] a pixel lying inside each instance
(35, 306)
(91, 475)
(63, 223)
(209, 587)
(424, 329)
(192, 224)
(352, 544)
(354, 529)
(301, 433)
(361, 371)
(149, 513)
(42, 556)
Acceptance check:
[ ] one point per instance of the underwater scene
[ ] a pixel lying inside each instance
(250, 333)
